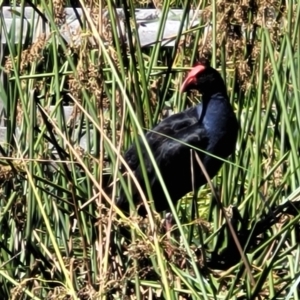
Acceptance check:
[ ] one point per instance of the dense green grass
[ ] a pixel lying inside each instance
(56, 215)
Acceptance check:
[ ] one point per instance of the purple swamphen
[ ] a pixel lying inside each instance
(211, 126)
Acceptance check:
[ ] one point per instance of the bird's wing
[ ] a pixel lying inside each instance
(171, 135)
(169, 138)
(170, 126)
(172, 147)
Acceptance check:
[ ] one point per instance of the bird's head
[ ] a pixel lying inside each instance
(204, 78)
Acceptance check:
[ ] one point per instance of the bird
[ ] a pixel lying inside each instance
(210, 126)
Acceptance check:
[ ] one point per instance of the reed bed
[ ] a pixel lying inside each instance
(60, 230)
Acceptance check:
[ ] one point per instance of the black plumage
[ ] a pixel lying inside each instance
(210, 126)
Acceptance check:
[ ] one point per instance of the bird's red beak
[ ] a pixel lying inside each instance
(191, 77)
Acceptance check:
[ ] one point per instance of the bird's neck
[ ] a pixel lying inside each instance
(210, 99)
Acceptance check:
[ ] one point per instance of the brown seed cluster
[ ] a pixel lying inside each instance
(33, 54)
(59, 13)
